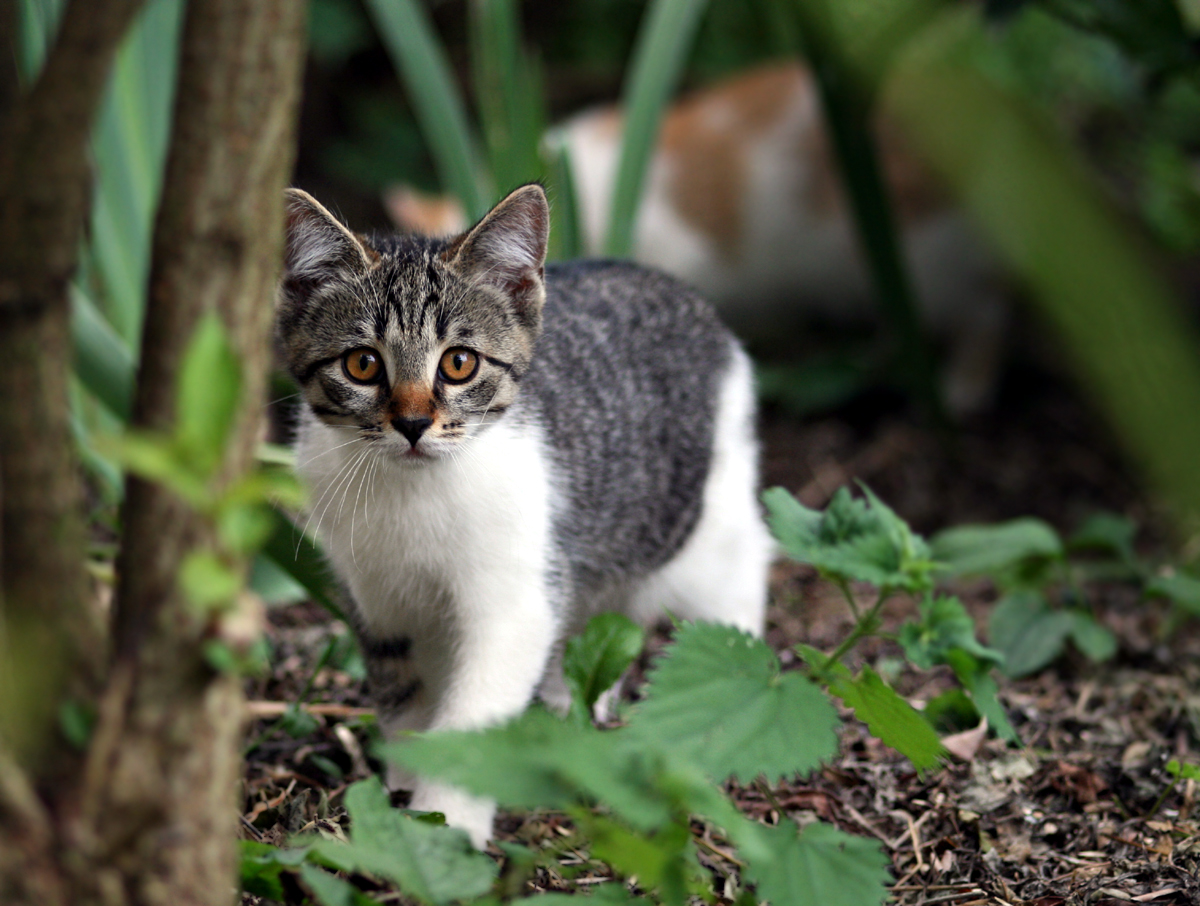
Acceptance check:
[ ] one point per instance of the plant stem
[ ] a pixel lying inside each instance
(864, 626)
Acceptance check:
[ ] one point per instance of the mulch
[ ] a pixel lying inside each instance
(1084, 812)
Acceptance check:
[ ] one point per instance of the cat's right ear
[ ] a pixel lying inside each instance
(318, 248)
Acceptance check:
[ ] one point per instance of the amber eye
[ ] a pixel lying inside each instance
(458, 365)
(363, 365)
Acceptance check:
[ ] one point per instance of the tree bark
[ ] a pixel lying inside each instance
(46, 631)
(159, 818)
(47, 635)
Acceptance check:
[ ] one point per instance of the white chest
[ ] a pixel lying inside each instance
(413, 539)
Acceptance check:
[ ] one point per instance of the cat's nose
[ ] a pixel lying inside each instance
(412, 428)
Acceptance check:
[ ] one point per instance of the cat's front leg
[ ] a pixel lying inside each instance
(505, 631)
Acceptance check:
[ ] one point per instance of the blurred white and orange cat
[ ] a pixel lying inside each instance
(744, 201)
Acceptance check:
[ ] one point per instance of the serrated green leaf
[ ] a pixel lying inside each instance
(1096, 642)
(1181, 588)
(595, 659)
(943, 627)
(1028, 632)
(1007, 551)
(890, 717)
(821, 867)
(540, 761)
(206, 403)
(717, 696)
(852, 540)
(433, 864)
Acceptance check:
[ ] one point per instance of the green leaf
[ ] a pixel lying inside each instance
(852, 540)
(244, 527)
(332, 891)
(1106, 532)
(1184, 771)
(952, 711)
(508, 92)
(1096, 642)
(156, 458)
(662, 861)
(717, 697)
(207, 581)
(612, 893)
(890, 717)
(821, 867)
(297, 723)
(977, 680)
(1028, 632)
(658, 58)
(261, 865)
(433, 864)
(297, 555)
(943, 627)
(1182, 589)
(1008, 551)
(210, 383)
(540, 761)
(417, 54)
(103, 361)
(595, 659)
(76, 720)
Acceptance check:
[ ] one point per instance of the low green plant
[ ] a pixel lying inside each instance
(863, 541)
(717, 705)
(1043, 578)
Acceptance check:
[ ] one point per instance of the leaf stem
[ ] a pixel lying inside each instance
(841, 583)
(865, 626)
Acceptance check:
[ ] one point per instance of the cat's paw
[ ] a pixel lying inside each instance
(462, 810)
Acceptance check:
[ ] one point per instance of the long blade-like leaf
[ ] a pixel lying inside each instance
(103, 360)
(508, 93)
(658, 58)
(421, 61)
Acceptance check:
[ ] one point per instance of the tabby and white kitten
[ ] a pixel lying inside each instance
(498, 450)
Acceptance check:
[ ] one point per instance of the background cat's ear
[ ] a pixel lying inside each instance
(317, 246)
(507, 249)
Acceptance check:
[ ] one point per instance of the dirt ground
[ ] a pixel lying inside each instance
(1084, 813)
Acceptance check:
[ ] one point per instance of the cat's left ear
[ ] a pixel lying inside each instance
(507, 249)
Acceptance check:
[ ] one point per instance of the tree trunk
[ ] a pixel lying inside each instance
(160, 811)
(48, 639)
(150, 818)
(47, 636)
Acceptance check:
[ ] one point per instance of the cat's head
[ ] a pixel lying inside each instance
(413, 343)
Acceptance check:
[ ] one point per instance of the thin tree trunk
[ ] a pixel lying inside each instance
(48, 640)
(159, 818)
(44, 183)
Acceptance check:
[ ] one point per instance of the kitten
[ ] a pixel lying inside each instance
(498, 450)
(743, 200)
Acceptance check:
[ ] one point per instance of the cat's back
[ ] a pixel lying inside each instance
(626, 383)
